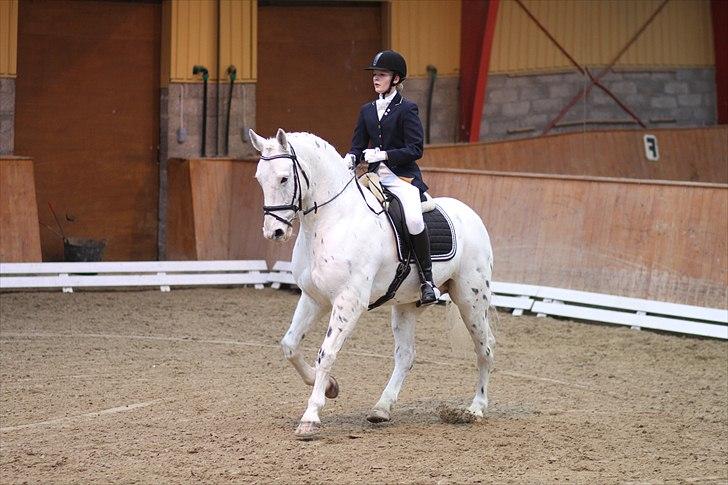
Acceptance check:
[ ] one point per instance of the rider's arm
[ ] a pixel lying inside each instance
(413, 135)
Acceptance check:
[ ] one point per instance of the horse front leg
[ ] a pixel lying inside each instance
(308, 312)
(404, 318)
(347, 308)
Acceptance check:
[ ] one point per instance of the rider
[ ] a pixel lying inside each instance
(392, 127)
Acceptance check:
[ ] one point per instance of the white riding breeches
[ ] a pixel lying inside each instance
(408, 194)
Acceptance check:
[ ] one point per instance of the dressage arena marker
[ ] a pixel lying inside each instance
(118, 409)
(542, 300)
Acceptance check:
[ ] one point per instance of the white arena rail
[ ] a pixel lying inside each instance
(581, 305)
(542, 300)
(138, 273)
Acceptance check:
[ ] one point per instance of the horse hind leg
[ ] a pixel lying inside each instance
(472, 297)
(404, 318)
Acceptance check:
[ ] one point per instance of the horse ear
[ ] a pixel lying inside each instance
(281, 137)
(256, 140)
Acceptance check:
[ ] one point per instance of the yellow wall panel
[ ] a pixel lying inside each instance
(427, 32)
(239, 37)
(594, 32)
(8, 38)
(193, 38)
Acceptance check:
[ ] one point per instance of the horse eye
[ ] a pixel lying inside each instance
(284, 180)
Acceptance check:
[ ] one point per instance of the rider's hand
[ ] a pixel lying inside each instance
(350, 159)
(372, 155)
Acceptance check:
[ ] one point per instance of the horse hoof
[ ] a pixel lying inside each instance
(377, 415)
(307, 430)
(332, 390)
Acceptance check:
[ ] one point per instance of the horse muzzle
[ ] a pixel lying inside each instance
(277, 232)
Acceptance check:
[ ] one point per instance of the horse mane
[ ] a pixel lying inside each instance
(317, 143)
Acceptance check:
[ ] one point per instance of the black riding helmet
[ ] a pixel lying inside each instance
(390, 61)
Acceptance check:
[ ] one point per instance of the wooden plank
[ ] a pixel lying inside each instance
(133, 267)
(181, 242)
(632, 319)
(646, 240)
(686, 154)
(19, 233)
(216, 212)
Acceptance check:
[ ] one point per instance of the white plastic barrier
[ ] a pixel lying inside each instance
(124, 274)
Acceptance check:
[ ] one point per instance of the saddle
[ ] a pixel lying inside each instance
(441, 232)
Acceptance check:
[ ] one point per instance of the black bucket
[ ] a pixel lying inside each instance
(80, 250)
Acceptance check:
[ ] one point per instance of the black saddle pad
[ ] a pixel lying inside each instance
(439, 228)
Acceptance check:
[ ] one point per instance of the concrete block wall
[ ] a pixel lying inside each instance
(7, 115)
(522, 106)
(181, 107)
(444, 119)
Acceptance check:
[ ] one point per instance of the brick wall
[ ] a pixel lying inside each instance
(7, 115)
(522, 106)
(444, 119)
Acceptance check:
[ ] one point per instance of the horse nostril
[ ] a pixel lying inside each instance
(278, 233)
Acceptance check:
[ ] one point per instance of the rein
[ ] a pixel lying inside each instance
(269, 210)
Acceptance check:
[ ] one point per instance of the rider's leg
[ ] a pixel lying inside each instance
(409, 196)
(421, 245)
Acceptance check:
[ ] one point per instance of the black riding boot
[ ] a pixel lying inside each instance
(421, 246)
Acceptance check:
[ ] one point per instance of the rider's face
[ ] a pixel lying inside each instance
(382, 81)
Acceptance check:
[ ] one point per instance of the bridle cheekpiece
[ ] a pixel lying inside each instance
(270, 210)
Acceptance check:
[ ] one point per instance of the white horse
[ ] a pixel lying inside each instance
(345, 258)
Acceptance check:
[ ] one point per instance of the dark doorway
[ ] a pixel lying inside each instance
(87, 111)
(310, 66)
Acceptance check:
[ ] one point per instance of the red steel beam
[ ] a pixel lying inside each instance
(473, 16)
(482, 77)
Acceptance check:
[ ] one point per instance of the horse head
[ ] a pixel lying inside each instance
(281, 179)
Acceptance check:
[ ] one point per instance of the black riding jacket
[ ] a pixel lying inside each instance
(399, 133)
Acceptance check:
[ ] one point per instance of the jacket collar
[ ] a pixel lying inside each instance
(396, 101)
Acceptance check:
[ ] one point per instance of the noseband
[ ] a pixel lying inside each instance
(269, 210)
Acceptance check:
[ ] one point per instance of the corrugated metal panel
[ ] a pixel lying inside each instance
(593, 32)
(681, 36)
(8, 38)
(194, 38)
(427, 32)
(239, 37)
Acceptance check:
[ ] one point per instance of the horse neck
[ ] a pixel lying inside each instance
(327, 178)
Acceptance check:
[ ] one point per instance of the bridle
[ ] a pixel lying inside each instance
(269, 210)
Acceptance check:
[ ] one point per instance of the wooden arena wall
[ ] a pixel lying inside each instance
(19, 229)
(692, 154)
(638, 238)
